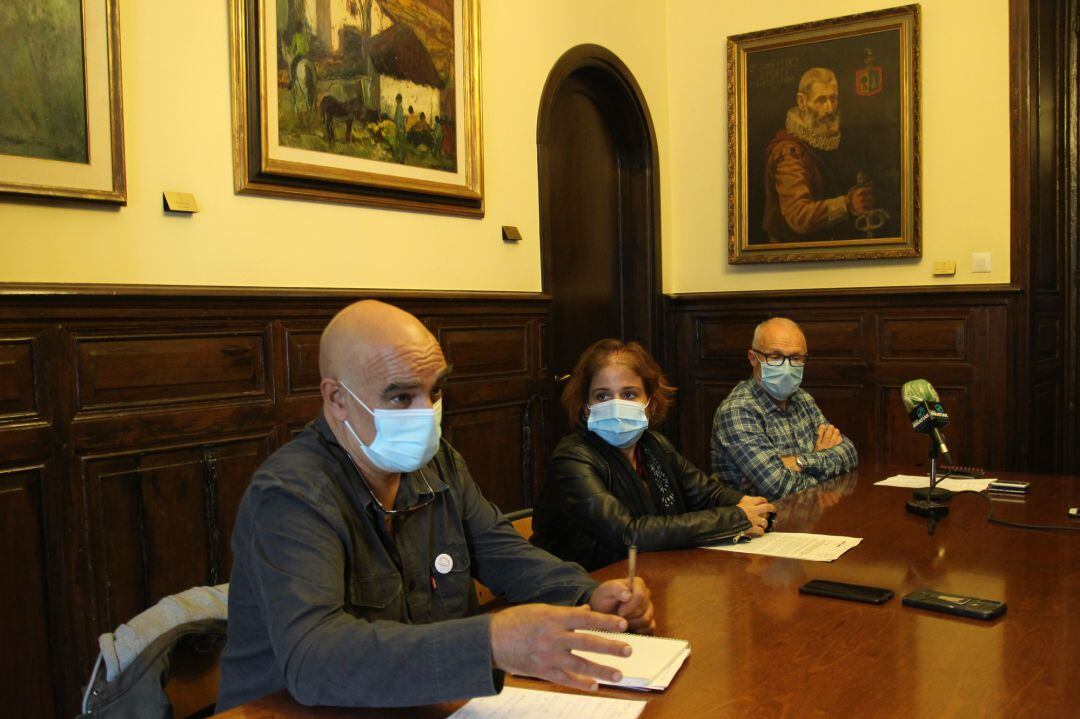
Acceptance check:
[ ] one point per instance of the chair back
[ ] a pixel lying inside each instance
(194, 675)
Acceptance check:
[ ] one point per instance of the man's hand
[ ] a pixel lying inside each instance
(614, 597)
(758, 514)
(828, 436)
(536, 639)
(860, 199)
(790, 463)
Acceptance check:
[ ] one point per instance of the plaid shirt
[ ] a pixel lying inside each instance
(750, 434)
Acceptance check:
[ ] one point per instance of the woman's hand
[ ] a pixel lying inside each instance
(757, 510)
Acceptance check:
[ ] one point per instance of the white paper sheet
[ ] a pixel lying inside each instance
(514, 703)
(912, 481)
(793, 545)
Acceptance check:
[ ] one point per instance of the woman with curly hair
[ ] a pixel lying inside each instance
(614, 481)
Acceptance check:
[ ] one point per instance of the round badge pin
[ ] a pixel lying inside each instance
(444, 563)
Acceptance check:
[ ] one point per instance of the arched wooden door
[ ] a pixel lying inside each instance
(599, 212)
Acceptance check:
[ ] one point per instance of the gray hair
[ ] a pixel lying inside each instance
(822, 75)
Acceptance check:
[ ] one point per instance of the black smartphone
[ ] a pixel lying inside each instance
(1001, 485)
(841, 590)
(958, 604)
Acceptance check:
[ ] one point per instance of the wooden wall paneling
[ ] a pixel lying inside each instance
(302, 359)
(159, 519)
(862, 349)
(28, 679)
(229, 466)
(491, 359)
(488, 352)
(146, 367)
(493, 443)
(18, 389)
(300, 398)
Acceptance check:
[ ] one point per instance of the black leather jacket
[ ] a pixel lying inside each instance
(594, 504)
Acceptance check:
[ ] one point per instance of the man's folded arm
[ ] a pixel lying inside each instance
(741, 433)
(328, 656)
(835, 460)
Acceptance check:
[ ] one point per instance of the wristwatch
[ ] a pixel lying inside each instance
(802, 463)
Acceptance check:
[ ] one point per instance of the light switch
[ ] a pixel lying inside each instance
(980, 261)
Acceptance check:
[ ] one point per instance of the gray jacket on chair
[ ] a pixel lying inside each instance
(139, 691)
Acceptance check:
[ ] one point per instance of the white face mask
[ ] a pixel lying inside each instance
(405, 439)
(619, 422)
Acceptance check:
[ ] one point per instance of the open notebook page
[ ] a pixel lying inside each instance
(652, 664)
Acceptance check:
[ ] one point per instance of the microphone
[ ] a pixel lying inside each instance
(926, 413)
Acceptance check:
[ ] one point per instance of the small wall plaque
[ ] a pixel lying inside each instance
(511, 234)
(179, 202)
(945, 268)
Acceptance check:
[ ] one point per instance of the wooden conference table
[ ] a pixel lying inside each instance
(760, 649)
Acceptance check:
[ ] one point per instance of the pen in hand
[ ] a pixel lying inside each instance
(631, 563)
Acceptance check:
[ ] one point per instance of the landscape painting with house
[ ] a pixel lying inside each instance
(372, 79)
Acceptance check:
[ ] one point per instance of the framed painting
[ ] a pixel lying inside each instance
(61, 107)
(373, 102)
(823, 140)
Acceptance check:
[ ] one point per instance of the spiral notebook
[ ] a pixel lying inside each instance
(650, 667)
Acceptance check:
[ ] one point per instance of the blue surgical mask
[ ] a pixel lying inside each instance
(619, 422)
(405, 439)
(781, 382)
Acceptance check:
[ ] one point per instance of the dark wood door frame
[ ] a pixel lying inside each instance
(1043, 104)
(633, 129)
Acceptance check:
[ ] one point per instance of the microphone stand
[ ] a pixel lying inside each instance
(924, 504)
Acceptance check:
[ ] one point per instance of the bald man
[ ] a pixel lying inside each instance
(769, 438)
(356, 544)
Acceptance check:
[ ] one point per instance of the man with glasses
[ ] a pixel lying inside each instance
(356, 544)
(768, 437)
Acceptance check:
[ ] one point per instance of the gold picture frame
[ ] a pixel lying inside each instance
(338, 139)
(72, 89)
(823, 140)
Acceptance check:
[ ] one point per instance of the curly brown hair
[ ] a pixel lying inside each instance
(575, 395)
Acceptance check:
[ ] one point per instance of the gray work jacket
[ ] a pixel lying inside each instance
(326, 603)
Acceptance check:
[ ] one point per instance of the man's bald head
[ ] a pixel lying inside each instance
(376, 357)
(362, 335)
(778, 336)
(776, 327)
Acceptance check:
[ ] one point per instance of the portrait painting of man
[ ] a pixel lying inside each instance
(824, 147)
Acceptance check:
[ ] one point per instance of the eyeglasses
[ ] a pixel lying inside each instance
(406, 510)
(775, 359)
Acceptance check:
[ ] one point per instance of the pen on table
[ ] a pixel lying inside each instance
(631, 565)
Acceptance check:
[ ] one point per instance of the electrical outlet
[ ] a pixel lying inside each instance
(980, 261)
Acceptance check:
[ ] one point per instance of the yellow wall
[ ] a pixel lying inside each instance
(176, 94)
(965, 145)
(176, 97)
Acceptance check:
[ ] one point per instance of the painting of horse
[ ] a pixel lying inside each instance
(383, 68)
